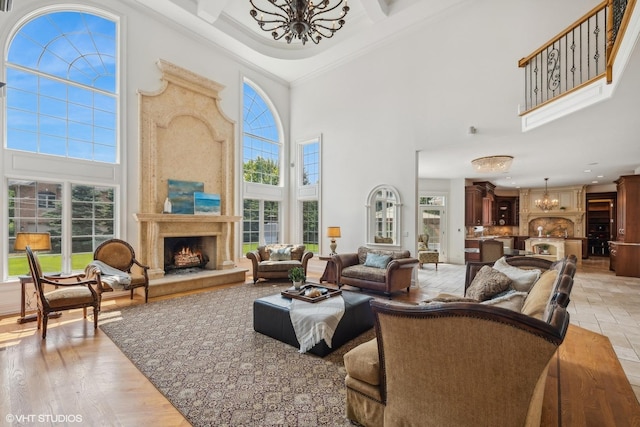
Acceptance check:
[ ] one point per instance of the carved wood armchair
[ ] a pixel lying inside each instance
(72, 291)
(119, 255)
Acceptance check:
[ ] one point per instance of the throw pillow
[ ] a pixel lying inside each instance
(487, 283)
(521, 279)
(377, 260)
(422, 246)
(538, 299)
(280, 254)
(513, 300)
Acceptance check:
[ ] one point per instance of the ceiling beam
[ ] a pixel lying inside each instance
(376, 9)
(210, 10)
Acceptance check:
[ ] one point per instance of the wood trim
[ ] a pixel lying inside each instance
(564, 32)
(612, 51)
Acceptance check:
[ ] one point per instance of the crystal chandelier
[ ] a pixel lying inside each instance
(492, 164)
(546, 203)
(300, 19)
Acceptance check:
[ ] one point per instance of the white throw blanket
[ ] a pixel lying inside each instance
(313, 322)
(112, 276)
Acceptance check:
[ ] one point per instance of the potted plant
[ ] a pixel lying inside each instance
(296, 274)
(544, 249)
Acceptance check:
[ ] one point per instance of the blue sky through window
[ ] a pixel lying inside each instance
(61, 87)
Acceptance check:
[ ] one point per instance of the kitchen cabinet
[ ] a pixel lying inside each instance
(625, 250)
(479, 204)
(473, 205)
(506, 212)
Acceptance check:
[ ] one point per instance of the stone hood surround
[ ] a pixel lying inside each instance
(184, 135)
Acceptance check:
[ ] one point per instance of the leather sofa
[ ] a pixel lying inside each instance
(388, 277)
(460, 363)
(274, 261)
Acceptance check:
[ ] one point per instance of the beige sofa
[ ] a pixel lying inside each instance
(375, 269)
(439, 363)
(274, 261)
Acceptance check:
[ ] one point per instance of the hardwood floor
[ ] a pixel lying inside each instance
(79, 372)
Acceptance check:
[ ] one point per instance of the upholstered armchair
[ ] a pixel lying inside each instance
(453, 364)
(425, 255)
(71, 291)
(119, 268)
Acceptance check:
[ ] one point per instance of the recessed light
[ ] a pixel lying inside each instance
(600, 176)
(587, 170)
(594, 182)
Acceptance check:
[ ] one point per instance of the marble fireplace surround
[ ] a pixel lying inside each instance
(184, 135)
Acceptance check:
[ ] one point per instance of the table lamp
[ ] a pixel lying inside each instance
(37, 242)
(333, 233)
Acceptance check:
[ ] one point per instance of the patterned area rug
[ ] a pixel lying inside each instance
(202, 353)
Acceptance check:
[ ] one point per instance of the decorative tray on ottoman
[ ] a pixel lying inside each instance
(303, 293)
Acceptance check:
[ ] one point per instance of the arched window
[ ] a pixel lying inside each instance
(61, 87)
(260, 140)
(261, 162)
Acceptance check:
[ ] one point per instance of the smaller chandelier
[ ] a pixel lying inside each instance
(491, 164)
(300, 19)
(546, 203)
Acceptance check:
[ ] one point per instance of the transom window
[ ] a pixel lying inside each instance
(61, 87)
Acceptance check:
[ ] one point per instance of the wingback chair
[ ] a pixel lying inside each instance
(453, 364)
(424, 254)
(120, 255)
(71, 291)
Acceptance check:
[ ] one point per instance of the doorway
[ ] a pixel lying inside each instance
(432, 222)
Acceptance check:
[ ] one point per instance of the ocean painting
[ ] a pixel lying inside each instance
(181, 195)
(206, 204)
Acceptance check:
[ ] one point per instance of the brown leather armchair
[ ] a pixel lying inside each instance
(71, 291)
(119, 255)
(454, 364)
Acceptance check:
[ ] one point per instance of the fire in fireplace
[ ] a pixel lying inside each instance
(184, 253)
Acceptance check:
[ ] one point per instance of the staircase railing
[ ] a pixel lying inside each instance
(582, 53)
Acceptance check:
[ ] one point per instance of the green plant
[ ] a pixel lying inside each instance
(296, 274)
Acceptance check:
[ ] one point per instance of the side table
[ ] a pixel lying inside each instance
(31, 317)
(330, 274)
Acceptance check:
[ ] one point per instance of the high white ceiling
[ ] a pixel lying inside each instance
(602, 144)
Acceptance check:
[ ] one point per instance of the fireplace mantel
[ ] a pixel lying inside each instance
(155, 227)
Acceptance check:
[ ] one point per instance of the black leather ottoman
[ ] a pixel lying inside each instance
(271, 317)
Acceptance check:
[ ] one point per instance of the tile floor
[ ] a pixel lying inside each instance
(600, 301)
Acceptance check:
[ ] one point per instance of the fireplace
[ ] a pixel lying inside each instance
(191, 253)
(184, 117)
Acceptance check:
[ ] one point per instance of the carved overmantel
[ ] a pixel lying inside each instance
(184, 135)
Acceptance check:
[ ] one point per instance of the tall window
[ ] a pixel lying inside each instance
(61, 87)
(308, 192)
(62, 108)
(260, 142)
(261, 161)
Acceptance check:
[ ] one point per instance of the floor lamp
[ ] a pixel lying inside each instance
(37, 242)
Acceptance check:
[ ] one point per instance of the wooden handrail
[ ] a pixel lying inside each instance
(566, 31)
(612, 50)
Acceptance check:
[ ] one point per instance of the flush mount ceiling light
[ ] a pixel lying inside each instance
(546, 203)
(491, 164)
(300, 19)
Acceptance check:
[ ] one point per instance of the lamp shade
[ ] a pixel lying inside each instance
(36, 241)
(333, 232)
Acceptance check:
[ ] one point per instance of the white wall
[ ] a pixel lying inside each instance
(376, 111)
